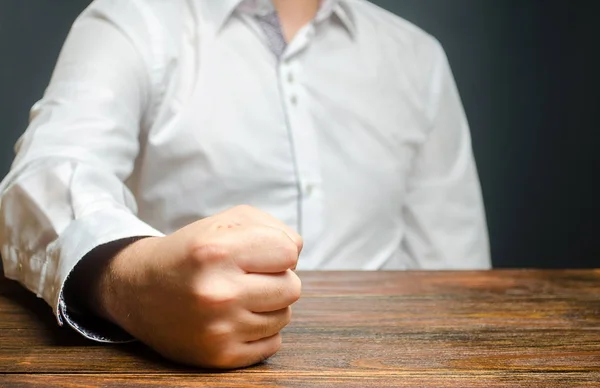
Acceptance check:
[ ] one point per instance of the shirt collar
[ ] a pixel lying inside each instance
(219, 11)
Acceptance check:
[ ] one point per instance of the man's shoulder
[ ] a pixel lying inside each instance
(138, 4)
(390, 26)
(148, 23)
(148, 11)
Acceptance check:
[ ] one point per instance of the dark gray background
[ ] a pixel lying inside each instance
(528, 72)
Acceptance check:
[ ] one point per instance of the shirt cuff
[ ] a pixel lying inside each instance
(76, 241)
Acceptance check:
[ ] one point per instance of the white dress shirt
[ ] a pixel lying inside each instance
(160, 113)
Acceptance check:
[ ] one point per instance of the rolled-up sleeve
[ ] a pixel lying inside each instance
(65, 194)
(444, 211)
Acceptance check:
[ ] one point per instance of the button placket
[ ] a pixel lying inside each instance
(304, 140)
(288, 81)
(308, 190)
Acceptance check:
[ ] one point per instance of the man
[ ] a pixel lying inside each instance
(338, 120)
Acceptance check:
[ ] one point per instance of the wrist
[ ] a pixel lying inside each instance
(121, 280)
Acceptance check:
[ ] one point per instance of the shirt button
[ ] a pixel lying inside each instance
(20, 267)
(291, 78)
(309, 189)
(294, 100)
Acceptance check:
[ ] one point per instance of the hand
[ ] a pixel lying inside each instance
(213, 294)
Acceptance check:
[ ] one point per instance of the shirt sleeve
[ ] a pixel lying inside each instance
(444, 211)
(65, 194)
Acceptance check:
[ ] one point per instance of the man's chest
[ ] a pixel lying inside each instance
(334, 125)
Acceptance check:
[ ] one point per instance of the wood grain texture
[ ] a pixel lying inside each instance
(355, 329)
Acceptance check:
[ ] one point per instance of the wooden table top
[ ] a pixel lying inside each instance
(355, 329)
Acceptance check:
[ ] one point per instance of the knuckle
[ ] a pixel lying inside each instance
(219, 333)
(216, 294)
(208, 251)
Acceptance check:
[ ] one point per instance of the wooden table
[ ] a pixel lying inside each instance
(355, 329)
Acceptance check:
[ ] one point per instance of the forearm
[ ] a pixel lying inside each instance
(90, 287)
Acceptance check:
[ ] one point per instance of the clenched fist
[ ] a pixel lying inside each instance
(213, 294)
